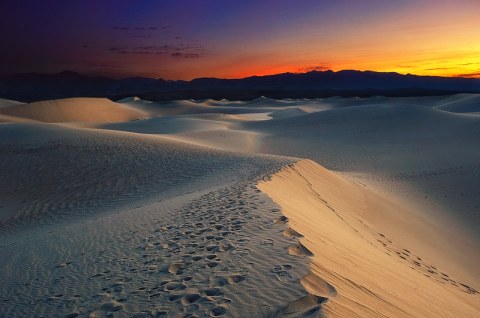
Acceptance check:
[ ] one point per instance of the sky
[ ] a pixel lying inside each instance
(186, 39)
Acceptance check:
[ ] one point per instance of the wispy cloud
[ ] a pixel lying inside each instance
(154, 40)
(438, 68)
(186, 55)
(141, 28)
(471, 63)
(181, 50)
(475, 74)
(314, 68)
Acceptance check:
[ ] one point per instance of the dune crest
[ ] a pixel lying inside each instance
(352, 259)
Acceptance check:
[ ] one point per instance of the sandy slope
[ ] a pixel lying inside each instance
(461, 103)
(96, 222)
(192, 107)
(372, 258)
(52, 170)
(188, 107)
(14, 119)
(162, 216)
(167, 125)
(74, 110)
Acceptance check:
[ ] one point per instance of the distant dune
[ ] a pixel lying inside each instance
(74, 110)
(462, 103)
(7, 103)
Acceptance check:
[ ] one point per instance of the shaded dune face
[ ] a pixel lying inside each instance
(52, 171)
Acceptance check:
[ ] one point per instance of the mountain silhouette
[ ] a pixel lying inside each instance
(34, 86)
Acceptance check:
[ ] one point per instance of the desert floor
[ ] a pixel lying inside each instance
(338, 207)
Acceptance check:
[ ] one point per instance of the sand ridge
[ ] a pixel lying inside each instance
(309, 197)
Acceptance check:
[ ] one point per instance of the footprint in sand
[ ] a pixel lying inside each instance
(281, 220)
(171, 286)
(111, 306)
(229, 280)
(176, 268)
(189, 299)
(291, 233)
(213, 248)
(218, 311)
(299, 250)
(281, 272)
(267, 242)
(212, 292)
(212, 264)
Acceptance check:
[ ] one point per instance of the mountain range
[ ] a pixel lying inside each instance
(36, 86)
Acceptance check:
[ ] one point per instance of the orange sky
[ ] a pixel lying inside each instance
(185, 39)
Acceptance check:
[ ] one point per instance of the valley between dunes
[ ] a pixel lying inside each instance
(338, 207)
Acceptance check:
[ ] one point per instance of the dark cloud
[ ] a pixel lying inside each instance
(469, 75)
(144, 48)
(155, 40)
(118, 49)
(182, 50)
(191, 55)
(140, 28)
(185, 55)
(438, 68)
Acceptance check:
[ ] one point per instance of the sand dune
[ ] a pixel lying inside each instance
(167, 125)
(209, 208)
(50, 169)
(226, 107)
(190, 107)
(13, 119)
(463, 103)
(371, 258)
(133, 224)
(420, 154)
(8, 103)
(287, 113)
(74, 110)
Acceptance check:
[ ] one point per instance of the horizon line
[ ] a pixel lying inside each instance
(89, 74)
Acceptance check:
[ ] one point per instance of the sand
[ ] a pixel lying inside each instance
(340, 207)
(366, 250)
(74, 110)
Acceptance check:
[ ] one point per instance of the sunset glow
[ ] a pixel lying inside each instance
(226, 39)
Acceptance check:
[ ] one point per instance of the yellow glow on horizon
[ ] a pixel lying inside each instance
(438, 40)
(457, 63)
